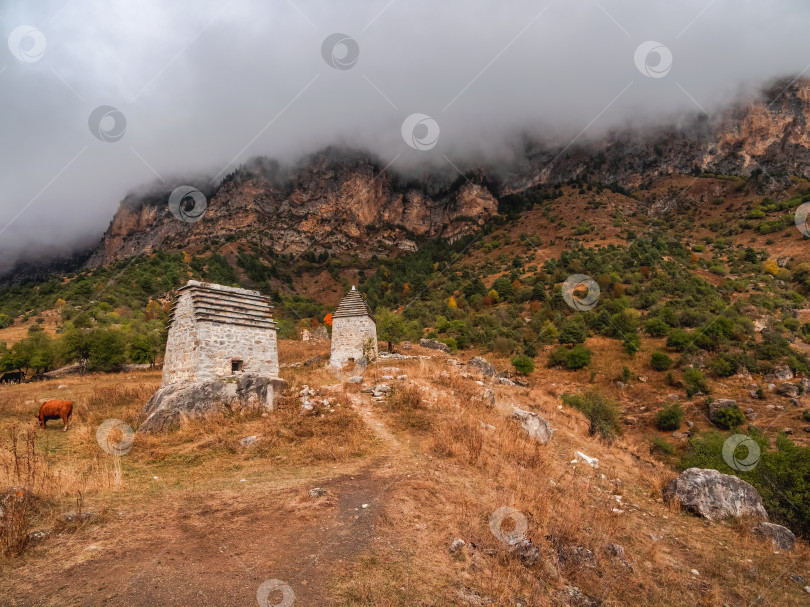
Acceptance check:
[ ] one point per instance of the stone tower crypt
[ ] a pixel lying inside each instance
(353, 328)
(217, 332)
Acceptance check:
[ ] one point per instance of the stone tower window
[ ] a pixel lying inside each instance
(236, 366)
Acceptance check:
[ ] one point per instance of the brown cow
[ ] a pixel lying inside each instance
(55, 409)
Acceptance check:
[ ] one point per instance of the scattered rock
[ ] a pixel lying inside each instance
(38, 535)
(402, 377)
(456, 545)
(70, 517)
(537, 427)
(573, 596)
(630, 420)
(797, 578)
(576, 555)
(753, 394)
(617, 552)
(690, 424)
(406, 345)
(807, 428)
(248, 440)
(317, 492)
(432, 344)
(483, 366)
(489, 397)
(591, 461)
(781, 373)
(355, 380)
(787, 430)
(312, 361)
(506, 382)
(680, 435)
(673, 396)
(788, 390)
(387, 378)
(781, 537)
(524, 548)
(805, 384)
(714, 495)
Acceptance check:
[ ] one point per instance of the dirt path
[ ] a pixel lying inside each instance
(216, 548)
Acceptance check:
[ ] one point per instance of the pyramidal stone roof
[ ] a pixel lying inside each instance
(353, 304)
(228, 305)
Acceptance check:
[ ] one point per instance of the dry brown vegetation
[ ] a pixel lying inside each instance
(195, 509)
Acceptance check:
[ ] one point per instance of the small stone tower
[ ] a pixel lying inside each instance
(353, 330)
(217, 332)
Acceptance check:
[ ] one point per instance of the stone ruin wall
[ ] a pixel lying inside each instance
(199, 351)
(348, 336)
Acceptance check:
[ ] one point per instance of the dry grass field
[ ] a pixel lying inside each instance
(197, 517)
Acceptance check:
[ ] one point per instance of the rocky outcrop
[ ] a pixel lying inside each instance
(483, 366)
(535, 426)
(432, 344)
(339, 201)
(782, 538)
(714, 495)
(176, 404)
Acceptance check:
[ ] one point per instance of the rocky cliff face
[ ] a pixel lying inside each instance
(339, 204)
(345, 203)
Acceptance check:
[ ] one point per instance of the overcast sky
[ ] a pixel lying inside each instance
(203, 85)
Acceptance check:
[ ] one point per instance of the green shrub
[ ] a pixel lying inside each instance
(805, 415)
(695, 382)
(669, 418)
(661, 445)
(632, 343)
(660, 361)
(523, 364)
(679, 340)
(558, 357)
(5, 321)
(578, 357)
(656, 328)
(601, 411)
(730, 417)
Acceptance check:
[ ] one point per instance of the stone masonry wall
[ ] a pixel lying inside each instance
(198, 351)
(348, 336)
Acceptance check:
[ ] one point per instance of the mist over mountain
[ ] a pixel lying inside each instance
(199, 88)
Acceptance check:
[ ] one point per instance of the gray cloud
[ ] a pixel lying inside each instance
(206, 84)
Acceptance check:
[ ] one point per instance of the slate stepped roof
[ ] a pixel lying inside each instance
(228, 305)
(353, 304)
